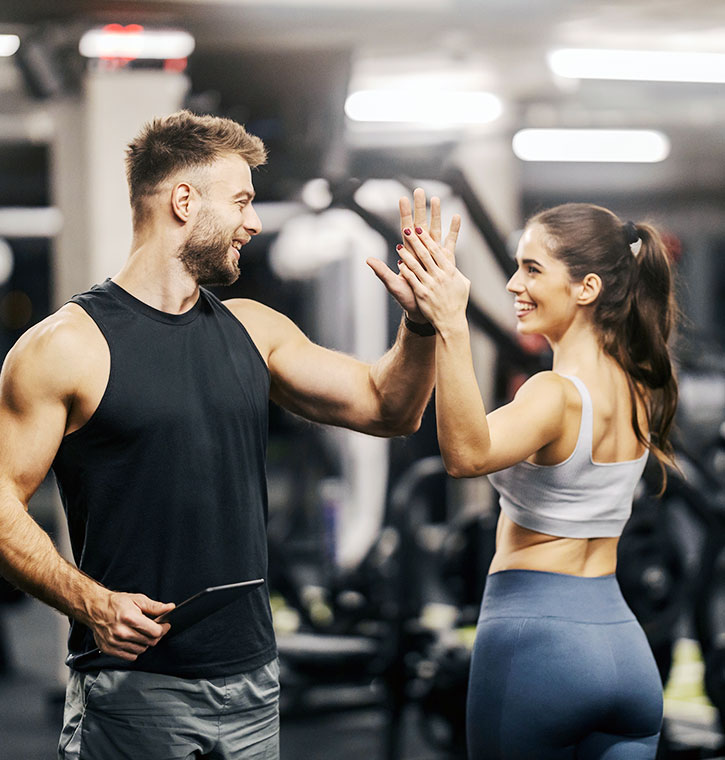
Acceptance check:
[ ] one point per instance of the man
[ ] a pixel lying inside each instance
(148, 397)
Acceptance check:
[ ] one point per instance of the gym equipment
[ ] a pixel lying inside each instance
(377, 640)
(709, 606)
(652, 575)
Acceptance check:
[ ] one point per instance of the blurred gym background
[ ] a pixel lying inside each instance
(377, 559)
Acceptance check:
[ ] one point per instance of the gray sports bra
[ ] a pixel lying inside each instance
(576, 498)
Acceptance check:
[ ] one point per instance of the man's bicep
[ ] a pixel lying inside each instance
(33, 416)
(322, 385)
(307, 379)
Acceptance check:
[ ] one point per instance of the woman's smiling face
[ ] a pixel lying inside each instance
(545, 297)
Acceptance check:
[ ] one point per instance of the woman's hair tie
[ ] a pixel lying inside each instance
(633, 238)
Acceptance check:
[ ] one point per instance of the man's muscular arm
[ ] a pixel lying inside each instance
(385, 398)
(38, 383)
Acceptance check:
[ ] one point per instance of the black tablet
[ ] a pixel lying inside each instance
(209, 600)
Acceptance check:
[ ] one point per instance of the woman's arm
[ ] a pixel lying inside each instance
(473, 443)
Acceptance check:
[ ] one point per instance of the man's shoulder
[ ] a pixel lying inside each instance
(63, 330)
(247, 307)
(253, 314)
(269, 329)
(55, 347)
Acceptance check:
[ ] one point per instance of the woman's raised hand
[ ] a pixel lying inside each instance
(411, 219)
(440, 290)
(418, 218)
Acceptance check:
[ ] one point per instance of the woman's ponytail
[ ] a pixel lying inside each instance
(644, 347)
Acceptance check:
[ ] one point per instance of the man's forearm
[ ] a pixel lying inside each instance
(29, 559)
(403, 380)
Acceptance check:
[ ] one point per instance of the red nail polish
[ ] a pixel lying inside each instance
(407, 230)
(400, 261)
(399, 247)
(419, 230)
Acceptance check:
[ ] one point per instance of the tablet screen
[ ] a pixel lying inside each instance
(204, 603)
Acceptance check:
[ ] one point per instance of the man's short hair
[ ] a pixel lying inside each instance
(183, 140)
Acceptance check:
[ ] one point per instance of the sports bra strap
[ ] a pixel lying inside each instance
(583, 447)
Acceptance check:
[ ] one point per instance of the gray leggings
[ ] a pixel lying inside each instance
(130, 715)
(561, 670)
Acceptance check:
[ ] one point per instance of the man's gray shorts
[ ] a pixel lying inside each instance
(128, 715)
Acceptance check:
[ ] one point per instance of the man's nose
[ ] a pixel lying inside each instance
(252, 222)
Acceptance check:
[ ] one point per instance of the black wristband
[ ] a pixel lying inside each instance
(424, 329)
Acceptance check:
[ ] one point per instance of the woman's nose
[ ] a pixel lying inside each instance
(513, 285)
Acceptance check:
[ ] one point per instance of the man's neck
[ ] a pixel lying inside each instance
(159, 279)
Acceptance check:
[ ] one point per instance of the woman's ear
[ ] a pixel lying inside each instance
(591, 287)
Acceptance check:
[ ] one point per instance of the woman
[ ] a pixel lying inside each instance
(560, 667)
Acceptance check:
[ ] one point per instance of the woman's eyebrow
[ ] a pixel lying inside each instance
(530, 261)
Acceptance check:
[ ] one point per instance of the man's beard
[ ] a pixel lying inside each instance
(205, 254)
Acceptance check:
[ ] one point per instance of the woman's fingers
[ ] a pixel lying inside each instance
(415, 261)
(415, 218)
(421, 243)
(430, 253)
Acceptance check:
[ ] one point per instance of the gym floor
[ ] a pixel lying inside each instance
(31, 699)
(30, 708)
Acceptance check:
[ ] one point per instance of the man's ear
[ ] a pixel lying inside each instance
(181, 201)
(591, 287)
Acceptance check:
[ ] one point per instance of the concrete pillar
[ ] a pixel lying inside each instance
(89, 183)
(68, 187)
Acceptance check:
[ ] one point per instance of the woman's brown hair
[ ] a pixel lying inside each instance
(635, 311)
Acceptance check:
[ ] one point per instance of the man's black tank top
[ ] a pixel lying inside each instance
(165, 485)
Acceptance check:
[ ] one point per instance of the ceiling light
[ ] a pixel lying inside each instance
(653, 66)
(435, 109)
(134, 42)
(9, 44)
(598, 145)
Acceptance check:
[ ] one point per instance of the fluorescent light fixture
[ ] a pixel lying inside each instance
(641, 65)
(596, 145)
(9, 44)
(136, 43)
(435, 109)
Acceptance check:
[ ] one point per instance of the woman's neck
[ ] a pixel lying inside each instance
(577, 349)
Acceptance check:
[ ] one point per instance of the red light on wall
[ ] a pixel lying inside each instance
(120, 29)
(175, 64)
